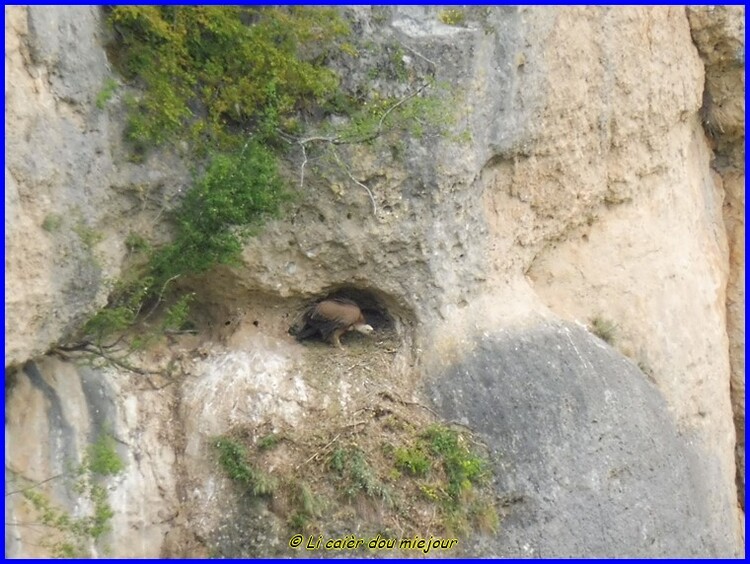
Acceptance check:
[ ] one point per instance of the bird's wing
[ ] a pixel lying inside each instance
(344, 314)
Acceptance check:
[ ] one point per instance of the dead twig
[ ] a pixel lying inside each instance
(348, 172)
(317, 453)
(158, 301)
(34, 485)
(418, 54)
(342, 140)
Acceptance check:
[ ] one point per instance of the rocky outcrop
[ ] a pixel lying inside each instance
(72, 195)
(55, 412)
(718, 32)
(574, 184)
(588, 461)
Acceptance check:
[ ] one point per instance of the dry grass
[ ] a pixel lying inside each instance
(338, 473)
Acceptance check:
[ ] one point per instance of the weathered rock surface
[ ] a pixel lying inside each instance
(719, 34)
(71, 194)
(577, 183)
(588, 460)
(54, 412)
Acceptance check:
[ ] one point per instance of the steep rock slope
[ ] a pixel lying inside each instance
(576, 185)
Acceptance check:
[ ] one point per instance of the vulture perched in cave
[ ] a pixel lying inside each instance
(332, 318)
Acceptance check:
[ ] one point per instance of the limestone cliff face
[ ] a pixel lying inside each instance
(718, 33)
(596, 172)
(71, 194)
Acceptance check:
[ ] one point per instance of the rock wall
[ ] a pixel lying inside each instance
(576, 185)
(55, 412)
(72, 195)
(719, 33)
(580, 437)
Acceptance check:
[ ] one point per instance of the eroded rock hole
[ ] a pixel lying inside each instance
(373, 308)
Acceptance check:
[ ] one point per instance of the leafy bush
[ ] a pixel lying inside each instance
(103, 459)
(462, 467)
(237, 192)
(213, 71)
(125, 303)
(605, 329)
(412, 460)
(233, 459)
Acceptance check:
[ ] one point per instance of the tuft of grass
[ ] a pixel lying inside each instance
(106, 93)
(357, 475)
(136, 243)
(605, 329)
(485, 516)
(233, 459)
(269, 441)
(103, 459)
(88, 235)
(52, 222)
(452, 16)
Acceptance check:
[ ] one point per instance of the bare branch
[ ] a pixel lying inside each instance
(397, 104)
(339, 140)
(369, 192)
(319, 452)
(418, 54)
(302, 168)
(161, 294)
(34, 485)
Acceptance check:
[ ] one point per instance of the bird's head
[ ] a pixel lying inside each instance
(364, 328)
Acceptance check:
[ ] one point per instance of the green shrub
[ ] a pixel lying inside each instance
(103, 459)
(237, 192)
(212, 71)
(106, 93)
(125, 303)
(462, 467)
(412, 460)
(605, 329)
(233, 459)
(177, 314)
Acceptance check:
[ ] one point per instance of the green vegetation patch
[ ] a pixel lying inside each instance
(605, 329)
(392, 474)
(452, 16)
(210, 72)
(234, 461)
(106, 93)
(103, 459)
(356, 475)
(227, 204)
(69, 535)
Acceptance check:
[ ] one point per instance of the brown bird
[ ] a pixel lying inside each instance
(332, 318)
